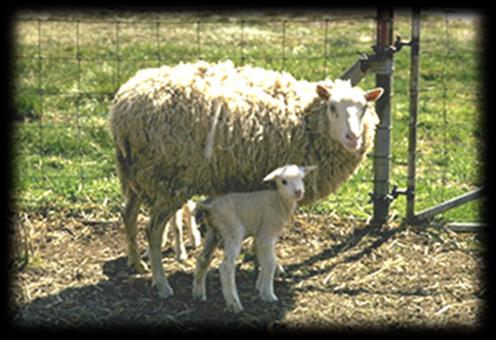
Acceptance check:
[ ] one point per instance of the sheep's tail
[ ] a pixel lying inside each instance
(123, 156)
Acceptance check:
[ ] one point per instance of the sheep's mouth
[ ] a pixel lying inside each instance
(352, 145)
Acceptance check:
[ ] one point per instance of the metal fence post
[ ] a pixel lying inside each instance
(382, 148)
(412, 131)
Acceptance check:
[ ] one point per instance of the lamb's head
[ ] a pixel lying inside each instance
(289, 180)
(346, 108)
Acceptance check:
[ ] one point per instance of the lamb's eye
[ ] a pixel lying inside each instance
(284, 182)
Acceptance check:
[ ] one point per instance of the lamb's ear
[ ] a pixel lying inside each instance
(323, 92)
(273, 175)
(306, 169)
(374, 94)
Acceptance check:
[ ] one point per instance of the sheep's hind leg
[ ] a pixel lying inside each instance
(130, 216)
(202, 263)
(154, 231)
(146, 255)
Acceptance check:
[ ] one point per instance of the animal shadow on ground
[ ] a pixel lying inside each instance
(126, 300)
(374, 233)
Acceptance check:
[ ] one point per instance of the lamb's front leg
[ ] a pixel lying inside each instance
(279, 268)
(268, 263)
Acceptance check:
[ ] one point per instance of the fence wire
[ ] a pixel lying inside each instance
(450, 143)
(69, 67)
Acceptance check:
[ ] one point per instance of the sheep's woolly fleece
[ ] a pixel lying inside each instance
(209, 129)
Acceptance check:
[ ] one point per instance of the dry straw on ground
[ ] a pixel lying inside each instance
(340, 275)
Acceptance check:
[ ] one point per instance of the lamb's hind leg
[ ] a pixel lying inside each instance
(202, 263)
(227, 269)
(194, 233)
(177, 227)
(154, 232)
(130, 215)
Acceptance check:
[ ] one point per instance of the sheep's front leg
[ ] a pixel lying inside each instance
(267, 259)
(202, 263)
(232, 247)
(154, 232)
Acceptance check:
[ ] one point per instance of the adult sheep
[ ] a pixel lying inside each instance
(210, 129)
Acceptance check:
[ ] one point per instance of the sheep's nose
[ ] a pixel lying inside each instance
(352, 140)
(352, 136)
(298, 193)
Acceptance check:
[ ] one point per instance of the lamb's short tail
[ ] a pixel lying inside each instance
(201, 214)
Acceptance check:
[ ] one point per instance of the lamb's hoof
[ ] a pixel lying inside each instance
(269, 298)
(196, 243)
(140, 267)
(164, 290)
(199, 294)
(183, 256)
(234, 308)
(280, 270)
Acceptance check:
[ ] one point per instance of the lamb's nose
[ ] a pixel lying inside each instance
(298, 193)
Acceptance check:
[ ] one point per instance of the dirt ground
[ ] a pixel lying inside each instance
(340, 275)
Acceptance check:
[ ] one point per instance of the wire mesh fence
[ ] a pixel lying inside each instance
(68, 68)
(450, 143)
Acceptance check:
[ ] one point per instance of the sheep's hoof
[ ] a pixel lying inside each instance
(164, 289)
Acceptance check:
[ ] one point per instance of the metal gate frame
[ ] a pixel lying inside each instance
(425, 215)
(381, 62)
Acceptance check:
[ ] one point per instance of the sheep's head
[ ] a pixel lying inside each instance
(289, 180)
(346, 108)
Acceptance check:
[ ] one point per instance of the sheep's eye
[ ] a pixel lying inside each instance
(284, 182)
(364, 110)
(334, 111)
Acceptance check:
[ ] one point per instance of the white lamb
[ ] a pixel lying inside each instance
(235, 216)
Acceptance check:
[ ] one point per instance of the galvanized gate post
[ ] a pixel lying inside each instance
(382, 148)
(412, 131)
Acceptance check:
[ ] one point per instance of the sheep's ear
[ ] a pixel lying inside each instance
(374, 94)
(273, 175)
(306, 169)
(323, 92)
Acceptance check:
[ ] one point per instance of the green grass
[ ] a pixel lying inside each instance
(66, 74)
